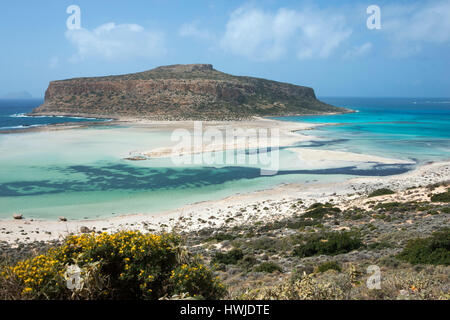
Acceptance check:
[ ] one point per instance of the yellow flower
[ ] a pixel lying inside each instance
(26, 290)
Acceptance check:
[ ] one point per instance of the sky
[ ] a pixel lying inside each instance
(326, 45)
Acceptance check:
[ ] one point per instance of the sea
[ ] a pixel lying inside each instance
(83, 174)
(404, 128)
(13, 115)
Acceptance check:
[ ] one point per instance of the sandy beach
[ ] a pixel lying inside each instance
(265, 205)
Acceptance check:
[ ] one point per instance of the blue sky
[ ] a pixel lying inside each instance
(322, 44)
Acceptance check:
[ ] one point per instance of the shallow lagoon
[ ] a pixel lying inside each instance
(82, 173)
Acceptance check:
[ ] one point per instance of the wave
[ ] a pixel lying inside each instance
(24, 115)
(432, 102)
(23, 126)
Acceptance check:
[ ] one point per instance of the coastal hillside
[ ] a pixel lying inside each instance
(177, 92)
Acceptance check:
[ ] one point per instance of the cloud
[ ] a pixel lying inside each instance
(358, 51)
(193, 30)
(264, 35)
(116, 42)
(411, 27)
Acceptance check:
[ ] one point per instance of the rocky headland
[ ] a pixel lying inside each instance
(180, 92)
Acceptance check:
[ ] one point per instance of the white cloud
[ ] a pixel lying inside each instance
(116, 42)
(411, 27)
(193, 30)
(358, 51)
(262, 35)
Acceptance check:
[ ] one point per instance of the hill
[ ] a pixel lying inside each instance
(176, 92)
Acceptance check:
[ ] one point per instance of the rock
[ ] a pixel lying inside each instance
(62, 219)
(84, 229)
(301, 268)
(17, 216)
(404, 292)
(136, 158)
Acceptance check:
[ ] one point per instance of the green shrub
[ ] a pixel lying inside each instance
(381, 192)
(397, 206)
(123, 265)
(432, 250)
(222, 237)
(197, 279)
(441, 197)
(268, 267)
(445, 210)
(379, 245)
(247, 262)
(319, 210)
(332, 243)
(329, 265)
(230, 257)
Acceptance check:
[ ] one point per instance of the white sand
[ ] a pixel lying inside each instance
(267, 205)
(264, 205)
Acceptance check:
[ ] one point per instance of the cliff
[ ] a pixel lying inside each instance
(179, 92)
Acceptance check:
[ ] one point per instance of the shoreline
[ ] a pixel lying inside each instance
(12, 231)
(265, 205)
(117, 120)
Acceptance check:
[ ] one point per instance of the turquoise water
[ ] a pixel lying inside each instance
(404, 128)
(82, 174)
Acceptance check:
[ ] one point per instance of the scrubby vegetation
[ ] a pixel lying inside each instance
(351, 284)
(431, 250)
(124, 265)
(231, 257)
(329, 244)
(268, 267)
(441, 197)
(330, 265)
(318, 251)
(381, 192)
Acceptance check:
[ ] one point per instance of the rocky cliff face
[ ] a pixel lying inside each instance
(179, 92)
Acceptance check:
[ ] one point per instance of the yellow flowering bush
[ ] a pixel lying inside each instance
(196, 279)
(123, 265)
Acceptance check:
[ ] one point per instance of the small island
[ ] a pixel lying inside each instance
(180, 92)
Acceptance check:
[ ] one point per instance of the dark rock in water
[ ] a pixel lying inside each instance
(177, 92)
(62, 219)
(136, 158)
(17, 216)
